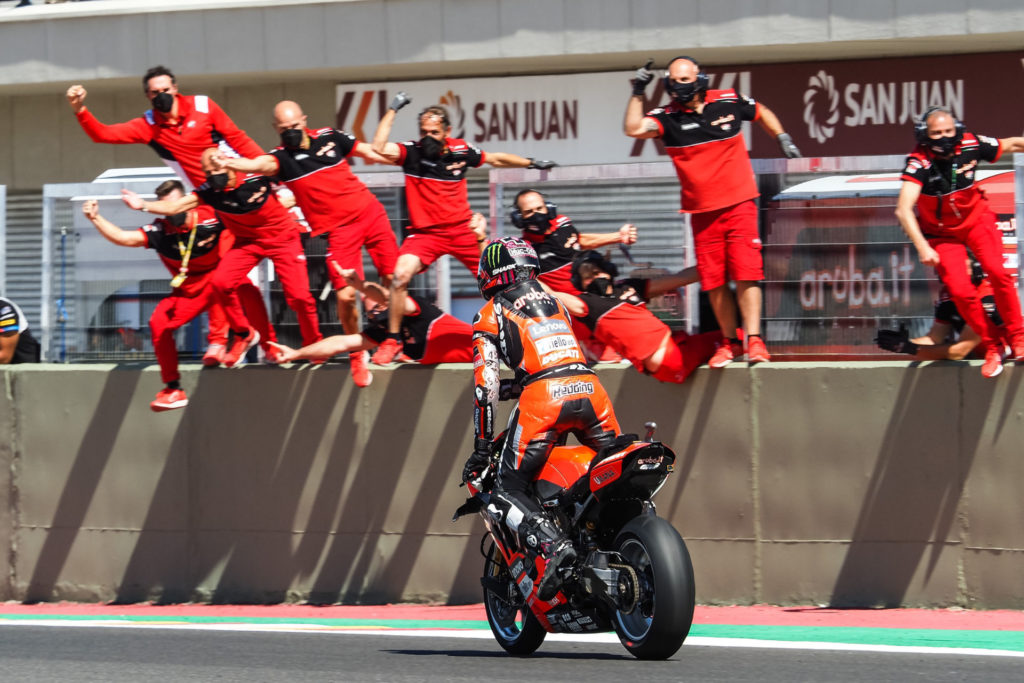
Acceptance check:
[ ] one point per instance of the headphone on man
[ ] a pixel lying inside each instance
(921, 125)
(516, 215)
(702, 82)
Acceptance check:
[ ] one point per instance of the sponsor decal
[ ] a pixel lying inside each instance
(573, 389)
(555, 342)
(543, 329)
(602, 477)
(850, 284)
(535, 295)
(560, 355)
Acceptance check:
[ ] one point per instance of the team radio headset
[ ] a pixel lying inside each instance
(921, 135)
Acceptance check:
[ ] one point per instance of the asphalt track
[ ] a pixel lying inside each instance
(66, 642)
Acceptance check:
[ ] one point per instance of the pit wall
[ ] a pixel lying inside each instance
(795, 483)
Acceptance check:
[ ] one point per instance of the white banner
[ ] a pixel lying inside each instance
(571, 119)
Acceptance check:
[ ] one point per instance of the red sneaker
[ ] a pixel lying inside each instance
(360, 373)
(1018, 348)
(757, 352)
(235, 357)
(386, 352)
(993, 364)
(727, 352)
(168, 399)
(214, 355)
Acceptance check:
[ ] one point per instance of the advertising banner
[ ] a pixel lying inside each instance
(838, 108)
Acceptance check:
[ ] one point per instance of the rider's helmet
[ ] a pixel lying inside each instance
(503, 263)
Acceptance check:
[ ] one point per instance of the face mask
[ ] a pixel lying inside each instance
(537, 223)
(682, 92)
(943, 146)
(217, 181)
(599, 286)
(291, 138)
(430, 148)
(163, 102)
(178, 219)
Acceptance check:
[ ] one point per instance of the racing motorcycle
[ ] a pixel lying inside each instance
(634, 575)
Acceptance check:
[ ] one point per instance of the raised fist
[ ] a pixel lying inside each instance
(76, 97)
(399, 100)
(643, 76)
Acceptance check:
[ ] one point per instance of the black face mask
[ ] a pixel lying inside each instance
(943, 146)
(292, 138)
(163, 102)
(430, 148)
(600, 285)
(537, 223)
(178, 219)
(683, 92)
(217, 181)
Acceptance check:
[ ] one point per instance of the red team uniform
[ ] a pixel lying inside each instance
(262, 228)
(954, 216)
(438, 200)
(718, 185)
(429, 335)
(622, 321)
(556, 248)
(201, 124)
(336, 202)
(195, 294)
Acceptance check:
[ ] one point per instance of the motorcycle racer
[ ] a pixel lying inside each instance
(531, 332)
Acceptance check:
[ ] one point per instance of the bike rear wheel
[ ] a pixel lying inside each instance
(657, 625)
(511, 621)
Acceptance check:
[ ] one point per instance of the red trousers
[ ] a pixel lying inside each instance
(984, 240)
(285, 251)
(177, 310)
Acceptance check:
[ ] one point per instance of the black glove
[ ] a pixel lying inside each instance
(787, 146)
(643, 76)
(897, 341)
(509, 389)
(542, 165)
(399, 100)
(478, 461)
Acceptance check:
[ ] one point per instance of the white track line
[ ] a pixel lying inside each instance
(606, 638)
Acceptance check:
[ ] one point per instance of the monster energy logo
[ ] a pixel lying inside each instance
(492, 255)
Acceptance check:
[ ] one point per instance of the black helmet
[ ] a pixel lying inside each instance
(504, 262)
(596, 258)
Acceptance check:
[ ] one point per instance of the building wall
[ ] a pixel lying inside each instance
(850, 484)
(249, 54)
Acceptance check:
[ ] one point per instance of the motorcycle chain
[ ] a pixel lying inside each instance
(633, 589)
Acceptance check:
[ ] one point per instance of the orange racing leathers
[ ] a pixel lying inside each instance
(531, 331)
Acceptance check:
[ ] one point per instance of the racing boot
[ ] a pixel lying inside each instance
(539, 536)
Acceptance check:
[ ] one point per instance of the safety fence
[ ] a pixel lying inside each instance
(837, 264)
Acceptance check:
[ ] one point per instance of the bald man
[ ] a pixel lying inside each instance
(312, 163)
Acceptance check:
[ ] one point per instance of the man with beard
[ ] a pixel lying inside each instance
(435, 188)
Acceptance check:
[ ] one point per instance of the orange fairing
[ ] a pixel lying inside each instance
(566, 465)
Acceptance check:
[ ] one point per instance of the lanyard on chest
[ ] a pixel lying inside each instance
(186, 253)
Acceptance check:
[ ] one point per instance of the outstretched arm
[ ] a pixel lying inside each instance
(325, 348)
(668, 283)
(122, 238)
(164, 207)
(264, 164)
(595, 240)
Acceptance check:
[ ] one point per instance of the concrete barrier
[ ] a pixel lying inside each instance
(849, 484)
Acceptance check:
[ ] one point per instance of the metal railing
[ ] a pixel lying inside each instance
(837, 264)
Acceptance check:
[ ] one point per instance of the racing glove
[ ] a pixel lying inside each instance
(542, 164)
(478, 461)
(643, 76)
(897, 341)
(399, 100)
(787, 146)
